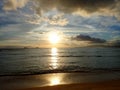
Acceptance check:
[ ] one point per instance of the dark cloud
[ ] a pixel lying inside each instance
(108, 7)
(88, 38)
(87, 5)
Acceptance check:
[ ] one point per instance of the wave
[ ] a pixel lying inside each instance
(82, 70)
(75, 56)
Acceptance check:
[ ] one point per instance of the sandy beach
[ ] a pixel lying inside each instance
(107, 85)
(62, 81)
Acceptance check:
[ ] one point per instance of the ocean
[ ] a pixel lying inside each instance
(58, 60)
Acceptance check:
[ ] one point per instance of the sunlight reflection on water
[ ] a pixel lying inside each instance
(54, 58)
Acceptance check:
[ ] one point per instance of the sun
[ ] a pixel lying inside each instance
(54, 37)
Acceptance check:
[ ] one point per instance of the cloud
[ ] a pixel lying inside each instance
(74, 5)
(88, 39)
(58, 20)
(17, 31)
(82, 7)
(52, 20)
(14, 4)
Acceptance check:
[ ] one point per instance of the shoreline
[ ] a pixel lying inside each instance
(82, 70)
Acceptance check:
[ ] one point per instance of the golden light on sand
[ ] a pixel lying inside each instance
(54, 37)
(55, 81)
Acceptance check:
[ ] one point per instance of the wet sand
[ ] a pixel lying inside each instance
(106, 85)
(62, 81)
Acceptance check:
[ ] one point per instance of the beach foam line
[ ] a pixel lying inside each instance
(64, 70)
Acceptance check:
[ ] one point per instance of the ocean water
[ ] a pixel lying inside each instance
(37, 61)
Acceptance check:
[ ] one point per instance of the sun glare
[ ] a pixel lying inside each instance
(54, 37)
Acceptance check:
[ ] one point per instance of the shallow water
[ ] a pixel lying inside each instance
(35, 61)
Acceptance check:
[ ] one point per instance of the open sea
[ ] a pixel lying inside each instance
(57, 60)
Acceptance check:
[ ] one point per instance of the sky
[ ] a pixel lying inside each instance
(77, 23)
